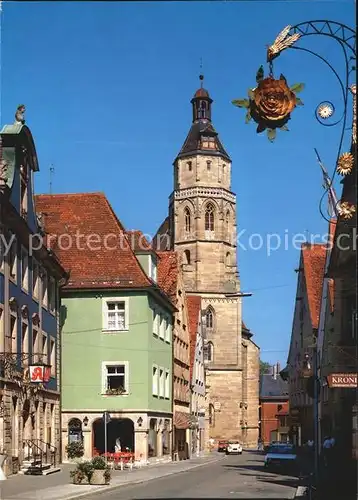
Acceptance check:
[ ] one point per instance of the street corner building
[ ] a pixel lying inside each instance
(30, 281)
(201, 228)
(116, 327)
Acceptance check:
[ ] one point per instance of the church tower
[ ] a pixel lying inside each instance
(202, 229)
(202, 208)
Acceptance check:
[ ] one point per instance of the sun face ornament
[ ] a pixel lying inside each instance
(271, 103)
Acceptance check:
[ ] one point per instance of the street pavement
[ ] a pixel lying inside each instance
(214, 476)
(233, 477)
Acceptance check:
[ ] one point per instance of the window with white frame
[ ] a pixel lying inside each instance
(13, 332)
(2, 253)
(155, 322)
(115, 315)
(115, 377)
(35, 342)
(152, 268)
(168, 330)
(155, 381)
(24, 269)
(44, 282)
(161, 382)
(35, 279)
(51, 294)
(13, 258)
(25, 337)
(167, 385)
(53, 356)
(44, 348)
(162, 327)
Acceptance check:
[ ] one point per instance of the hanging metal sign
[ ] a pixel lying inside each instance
(342, 380)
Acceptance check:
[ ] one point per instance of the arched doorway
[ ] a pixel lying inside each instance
(120, 433)
(152, 438)
(75, 431)
(166, 438)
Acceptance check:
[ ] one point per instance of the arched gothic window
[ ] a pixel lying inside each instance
(209, 217)
(209, 351)
(187, 257)
(209, 317)
(228, 259)
(211, 414)
(187, 218)
(227, 224)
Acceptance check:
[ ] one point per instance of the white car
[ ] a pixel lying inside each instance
(234, 448)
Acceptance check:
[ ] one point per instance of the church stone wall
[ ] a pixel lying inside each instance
(204, 170)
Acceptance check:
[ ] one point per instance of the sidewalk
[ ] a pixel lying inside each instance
(59, 487)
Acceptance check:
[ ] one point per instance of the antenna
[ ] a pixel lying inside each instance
(52, 173)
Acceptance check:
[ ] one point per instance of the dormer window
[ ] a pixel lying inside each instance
(152, 267)
(208, 142)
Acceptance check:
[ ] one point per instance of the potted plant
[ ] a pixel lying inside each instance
(75, 450)
(115, 392)
(101, 473)
(82, 473)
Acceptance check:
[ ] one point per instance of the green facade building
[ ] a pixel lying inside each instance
(116, 331)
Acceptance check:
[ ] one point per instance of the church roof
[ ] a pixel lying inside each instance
(97, 265)
(192, 143)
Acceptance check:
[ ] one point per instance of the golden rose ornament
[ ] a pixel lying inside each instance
(345, 164)
(271, 103)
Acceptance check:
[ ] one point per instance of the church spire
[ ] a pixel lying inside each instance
(201, 103)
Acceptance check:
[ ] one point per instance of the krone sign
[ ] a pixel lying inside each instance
(344, 380)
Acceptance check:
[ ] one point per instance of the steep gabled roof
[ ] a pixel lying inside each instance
(194, 308)
(272, 388)
(161, 240)
(314, 258)
(138, 241)
(168, 273)
(192, 143)
(90, 241)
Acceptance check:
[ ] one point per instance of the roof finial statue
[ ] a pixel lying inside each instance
(19, 115)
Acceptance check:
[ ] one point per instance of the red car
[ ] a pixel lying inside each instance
(222, 445)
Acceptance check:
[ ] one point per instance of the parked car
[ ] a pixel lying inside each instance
(222, 445)
(234, 448)
(281, 456)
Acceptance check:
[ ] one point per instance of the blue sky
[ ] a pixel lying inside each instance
(107, 87)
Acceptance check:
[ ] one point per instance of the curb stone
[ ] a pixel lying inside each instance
(301, 492)
(138, 481)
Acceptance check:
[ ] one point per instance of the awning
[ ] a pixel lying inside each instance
(181, 420)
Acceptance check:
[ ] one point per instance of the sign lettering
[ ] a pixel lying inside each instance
(342, 380)
(39, 374)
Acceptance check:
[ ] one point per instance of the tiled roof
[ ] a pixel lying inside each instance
(168, 273)
(90, 241)
(161, 240)
(194, 307)
(271, 387)
(192, 142)
(314, 259)
(138, 241)
(331, 294)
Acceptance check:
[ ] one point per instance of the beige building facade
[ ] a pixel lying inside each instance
(201, 227)
(170, 278)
